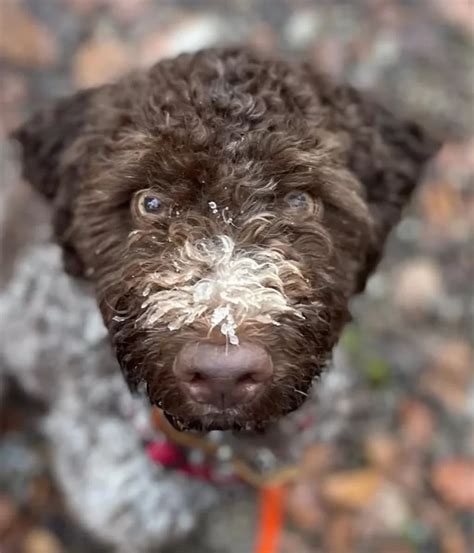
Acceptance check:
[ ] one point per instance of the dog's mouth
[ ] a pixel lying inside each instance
(209, 423)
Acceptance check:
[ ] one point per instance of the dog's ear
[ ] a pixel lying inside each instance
(46, 140)
(385, 152)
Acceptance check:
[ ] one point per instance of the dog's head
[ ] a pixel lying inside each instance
(226, 208)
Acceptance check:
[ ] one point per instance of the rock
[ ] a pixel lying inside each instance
(352, 489)
(189, 35)
(418, 285)
(453, 480)
(302, 28)
(99, 61)
(389, 510)
(23, 39)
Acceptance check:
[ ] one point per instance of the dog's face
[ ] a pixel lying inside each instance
(229, 271)
(225, 233)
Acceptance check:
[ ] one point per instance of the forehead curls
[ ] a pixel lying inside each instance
(211, 282)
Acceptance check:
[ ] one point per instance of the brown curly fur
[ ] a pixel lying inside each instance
(241, 130)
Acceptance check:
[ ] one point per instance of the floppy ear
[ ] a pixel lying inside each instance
(46, 141)
(386, 153)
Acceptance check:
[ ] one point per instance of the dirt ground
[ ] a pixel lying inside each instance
(404, 481)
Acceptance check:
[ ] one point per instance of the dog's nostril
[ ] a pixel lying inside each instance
(197, 377)
(247, 378)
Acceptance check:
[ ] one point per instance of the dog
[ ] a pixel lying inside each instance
(222, 208)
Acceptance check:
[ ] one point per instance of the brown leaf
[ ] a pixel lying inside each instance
(452, 396)
(454, 358)
(454, 482)
(316, 459)
(383, 452)
(303, 506)
(449, 376)
(460, 13)
(339, 534)
(99, 61)
(416, 424)
(441, 203)
(352, 489)
(294, 543)
(453, 540)
(25, 40)
(394, 546)
(39, 540)
(13, 94)
(8, 513)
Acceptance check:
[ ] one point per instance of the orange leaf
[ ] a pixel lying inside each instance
(352, 489)
(454, 482)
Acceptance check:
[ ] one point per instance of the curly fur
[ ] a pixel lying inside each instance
(222, 136)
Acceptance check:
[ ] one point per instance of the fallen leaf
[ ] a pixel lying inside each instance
(23, 39)
(291, 542)
(316, 459)
(352, 489)
(99, 61)
(460, 13)
(39, 540)
(304, 507)
(453, 480)
(383, 452)
(416, 424)
(454, 359)
(452, 396)
(440, 203)
(13, 94)
(452, 540)
(339, 534)
(395, 547)
(448, 379)
(8, 513)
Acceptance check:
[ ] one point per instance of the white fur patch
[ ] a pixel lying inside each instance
(232, 288)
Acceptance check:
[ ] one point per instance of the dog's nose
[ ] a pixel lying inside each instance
(223, 375)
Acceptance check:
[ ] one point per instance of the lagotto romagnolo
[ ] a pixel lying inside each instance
(217, 212)
(225, 206)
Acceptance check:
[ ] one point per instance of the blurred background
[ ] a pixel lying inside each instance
(403, 481)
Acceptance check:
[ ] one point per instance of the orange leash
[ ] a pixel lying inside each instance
(271, 518)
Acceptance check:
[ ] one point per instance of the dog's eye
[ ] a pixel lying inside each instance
(148, 203)
(299, 200)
